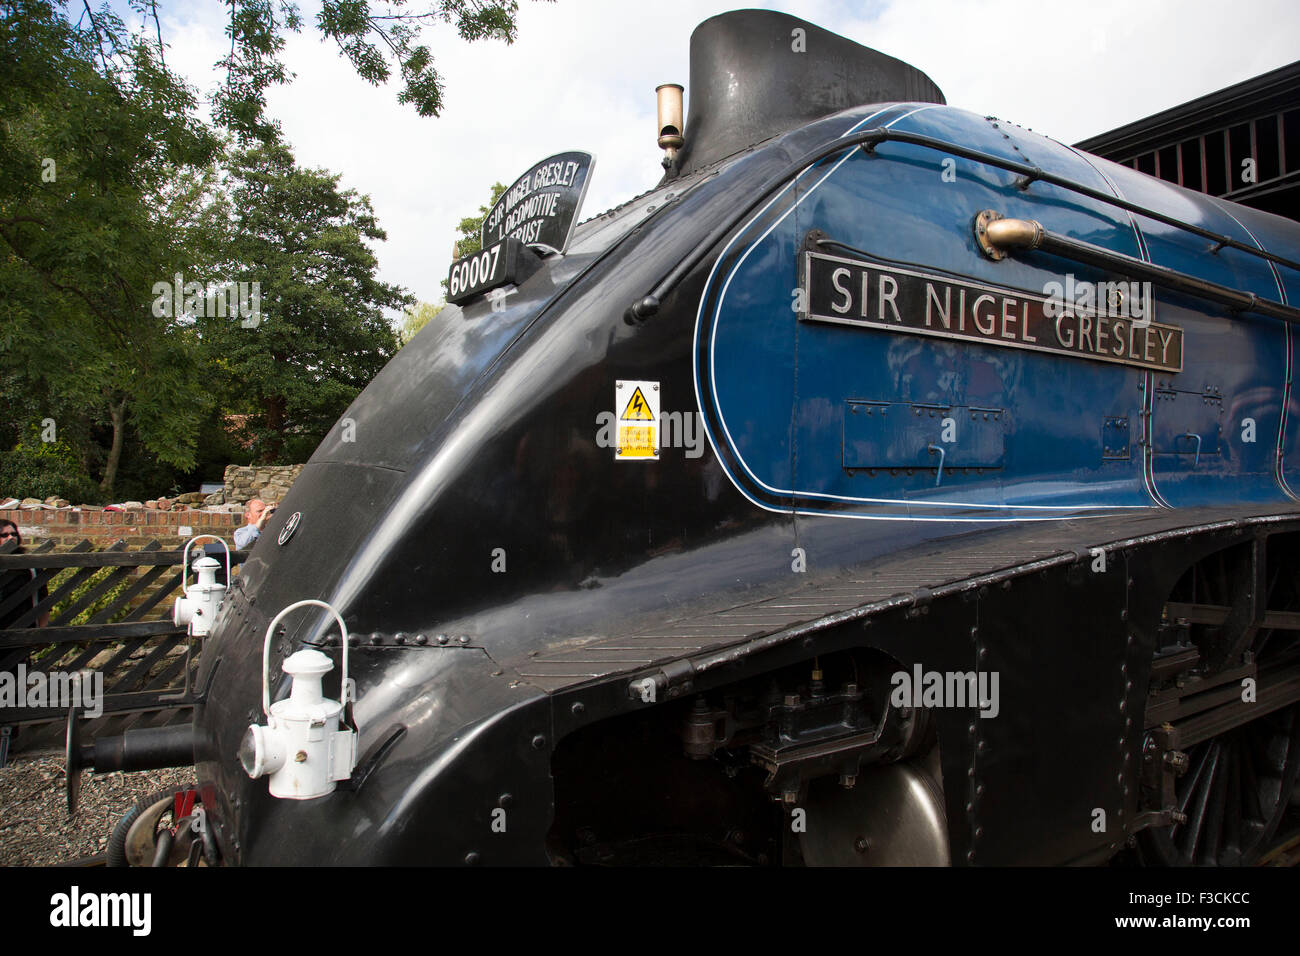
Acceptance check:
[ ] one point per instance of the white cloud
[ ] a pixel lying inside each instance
(582, 76)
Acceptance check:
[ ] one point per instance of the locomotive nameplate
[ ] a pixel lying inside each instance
(541, 207)
(852, 292)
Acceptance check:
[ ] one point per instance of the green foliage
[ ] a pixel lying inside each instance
(471, 230)
(416, 317)
(43, 470)
(110, 187)
(105, 600)
(471, 227)
(323, 334)
(105, 187)
(355, 28)
(376, 38)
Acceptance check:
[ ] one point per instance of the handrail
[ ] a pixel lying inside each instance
(996, 235)
(1035, 173)
(868, 139)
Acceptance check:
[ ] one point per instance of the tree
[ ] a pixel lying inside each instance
(375, 40)
(471, 227)
(105, 187)
(471, 230)
(321, 334)
(417, 317)
(110, 188)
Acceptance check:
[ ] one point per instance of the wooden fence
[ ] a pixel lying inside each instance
(110, 613)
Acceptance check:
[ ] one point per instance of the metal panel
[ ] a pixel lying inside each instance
(885, 435)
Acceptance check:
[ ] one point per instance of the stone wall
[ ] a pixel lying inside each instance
(268, 482)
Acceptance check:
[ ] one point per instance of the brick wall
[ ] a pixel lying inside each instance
(67, 526)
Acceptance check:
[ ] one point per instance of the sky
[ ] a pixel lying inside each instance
(582, 75)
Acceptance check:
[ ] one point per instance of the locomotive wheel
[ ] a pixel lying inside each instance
(135, 839)
(1234, 794)
(1238, 785)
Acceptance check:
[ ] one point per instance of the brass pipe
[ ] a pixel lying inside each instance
(1015, 233)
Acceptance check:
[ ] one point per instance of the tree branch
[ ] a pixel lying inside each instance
(153, 6)
(99, 40)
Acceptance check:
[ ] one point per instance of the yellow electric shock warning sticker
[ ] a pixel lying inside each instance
(637, 410)
(638, 420)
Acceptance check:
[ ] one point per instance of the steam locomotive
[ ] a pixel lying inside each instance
(889, 485)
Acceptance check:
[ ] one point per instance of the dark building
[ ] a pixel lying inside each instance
(1208, 143)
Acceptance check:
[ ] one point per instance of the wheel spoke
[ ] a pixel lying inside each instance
(1234, 801)
(1237, 785)
(1200, 797)
(1252, 807)
(1215, 805)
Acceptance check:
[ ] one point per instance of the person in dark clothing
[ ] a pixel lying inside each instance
(15, 579)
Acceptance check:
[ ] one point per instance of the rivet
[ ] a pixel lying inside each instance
(506, 801)
(471, 858)
(422, 639)
(539, 742)
(442, 638)
(464, 638)
(578, 708)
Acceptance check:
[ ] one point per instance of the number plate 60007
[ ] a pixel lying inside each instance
(497, 265)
